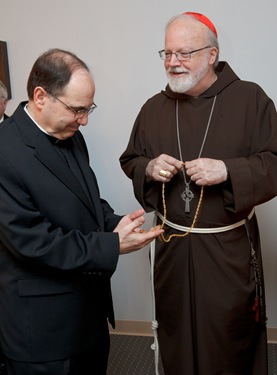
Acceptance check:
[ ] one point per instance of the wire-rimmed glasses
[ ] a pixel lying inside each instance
(78, 113)
(180, 55)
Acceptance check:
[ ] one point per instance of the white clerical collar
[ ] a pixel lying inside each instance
(43, 130)
(2, 119)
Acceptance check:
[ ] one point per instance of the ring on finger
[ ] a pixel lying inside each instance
(163, 173)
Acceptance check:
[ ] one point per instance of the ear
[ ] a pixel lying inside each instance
(39, 97)
(213, 55)
(5, 102)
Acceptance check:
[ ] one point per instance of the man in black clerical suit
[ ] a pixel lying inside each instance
(59, 241)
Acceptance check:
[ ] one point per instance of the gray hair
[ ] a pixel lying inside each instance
(3, 91)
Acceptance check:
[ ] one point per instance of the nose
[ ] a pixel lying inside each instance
(173, 61)
(83, 120)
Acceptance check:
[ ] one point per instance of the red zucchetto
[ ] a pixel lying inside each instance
(200, 17)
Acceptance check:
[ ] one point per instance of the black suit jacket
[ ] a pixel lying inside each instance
(57, 248)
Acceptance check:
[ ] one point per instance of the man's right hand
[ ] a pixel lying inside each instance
(131, 236)
(163, 168)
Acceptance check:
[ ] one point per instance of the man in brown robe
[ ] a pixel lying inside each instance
(210, 140)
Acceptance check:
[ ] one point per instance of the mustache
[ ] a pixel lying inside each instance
(177, 69)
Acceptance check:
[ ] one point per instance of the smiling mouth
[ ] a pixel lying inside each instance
(177, 72)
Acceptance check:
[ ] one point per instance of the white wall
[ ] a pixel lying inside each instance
(119, 40)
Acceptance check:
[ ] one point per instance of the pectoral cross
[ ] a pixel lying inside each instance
(187, 196)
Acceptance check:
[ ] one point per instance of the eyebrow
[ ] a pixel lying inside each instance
(79, 108)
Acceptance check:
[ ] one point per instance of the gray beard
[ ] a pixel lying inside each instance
(183, 84)
(180, 85)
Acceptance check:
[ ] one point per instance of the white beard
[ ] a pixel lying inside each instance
(186, 82)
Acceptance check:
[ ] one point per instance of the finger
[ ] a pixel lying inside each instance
(191, 163)
(168, 170)
(139, 230)
(143, 239)
(163, 173)
(136, 214)
(136, 224)
(157, 227)
(152, 234)
(166, 175)
(170, 161)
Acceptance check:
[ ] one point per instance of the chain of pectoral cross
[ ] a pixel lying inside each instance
(187, 194)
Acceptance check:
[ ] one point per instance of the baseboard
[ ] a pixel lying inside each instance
(272, 335)
(144, 328)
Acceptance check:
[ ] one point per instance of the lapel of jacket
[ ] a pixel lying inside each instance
(45, 152)
(80, 152)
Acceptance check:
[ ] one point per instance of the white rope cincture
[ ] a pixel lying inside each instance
(204, 230)
(155, 345)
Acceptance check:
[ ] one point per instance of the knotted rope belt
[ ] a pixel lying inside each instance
(204, 230)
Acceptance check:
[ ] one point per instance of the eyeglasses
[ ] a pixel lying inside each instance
(78, 113)
(180, 55)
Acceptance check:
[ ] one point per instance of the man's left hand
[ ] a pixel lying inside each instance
(205, 171)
